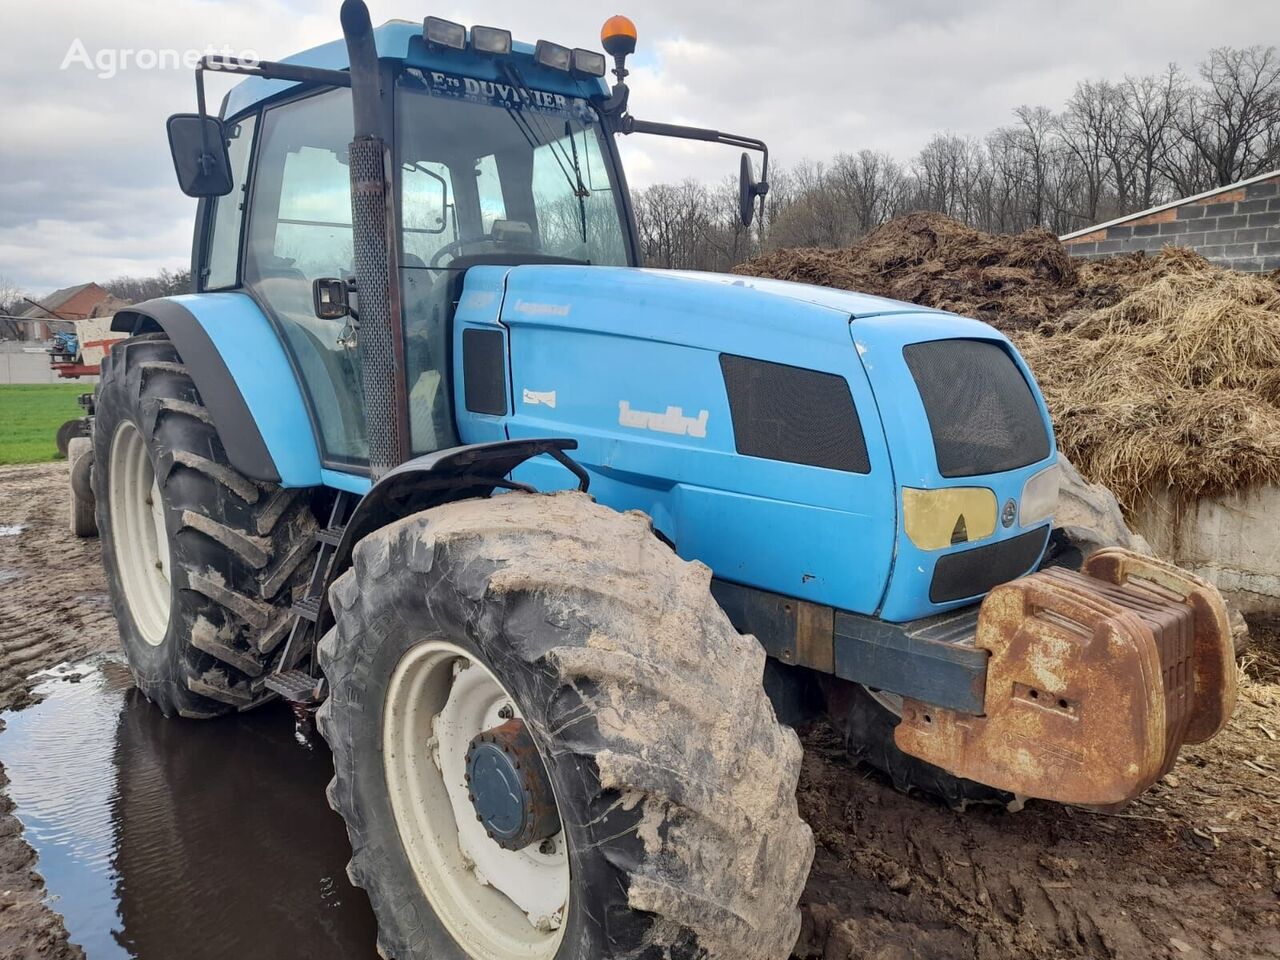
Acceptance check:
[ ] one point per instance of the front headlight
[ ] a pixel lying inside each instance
(1040, 496)
(935, 519)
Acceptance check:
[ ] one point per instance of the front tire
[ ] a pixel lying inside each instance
(865, 720)
(673, 781)
(201, 561)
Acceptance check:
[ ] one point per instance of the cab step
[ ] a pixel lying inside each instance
(292, 683)
(307, 609)
(297, 686)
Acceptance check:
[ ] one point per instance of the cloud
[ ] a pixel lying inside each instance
(87, 189)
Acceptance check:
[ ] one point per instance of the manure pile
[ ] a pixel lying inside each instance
(1159, 371)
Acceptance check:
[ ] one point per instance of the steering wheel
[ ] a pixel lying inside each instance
(455, 247)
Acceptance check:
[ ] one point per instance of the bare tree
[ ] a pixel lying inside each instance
(1090, 131)
(870, 185)
(1230, 121)
(1037, 142)
(11, 304)
(166, 283)
(817, 214)
(1114, 148)
(947, 170)
(1150, 104)
(674, 222)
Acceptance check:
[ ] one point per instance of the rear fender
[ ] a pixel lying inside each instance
(245, 380)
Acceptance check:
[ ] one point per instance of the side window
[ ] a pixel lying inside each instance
(228, 212)
(489, 186)
(300, 230)
(429, 211)
(313, 230)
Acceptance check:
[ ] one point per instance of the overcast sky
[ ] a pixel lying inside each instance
(87, 189)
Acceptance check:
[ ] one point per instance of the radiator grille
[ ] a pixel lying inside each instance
(484, 371)
(793, 414)
(970, 573)
(982, 413)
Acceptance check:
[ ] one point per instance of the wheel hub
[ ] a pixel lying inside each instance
(508, 786)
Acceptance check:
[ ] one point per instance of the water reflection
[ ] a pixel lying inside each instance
(170, 838)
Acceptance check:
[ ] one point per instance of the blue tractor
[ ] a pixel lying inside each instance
(560, 548)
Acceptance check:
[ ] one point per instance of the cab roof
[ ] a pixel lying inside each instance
(403, 40)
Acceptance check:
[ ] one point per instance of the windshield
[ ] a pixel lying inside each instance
(494, 170)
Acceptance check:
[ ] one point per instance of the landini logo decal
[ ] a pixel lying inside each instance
(542, 309)
(547, 397)
(673, 421)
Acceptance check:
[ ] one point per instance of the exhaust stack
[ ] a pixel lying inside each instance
(373, 219)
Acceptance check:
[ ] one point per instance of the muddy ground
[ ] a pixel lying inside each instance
(1190, 870)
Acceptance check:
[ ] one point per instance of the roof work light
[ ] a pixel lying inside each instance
(491, 40)
(445, 33)
(553, 55)
(588, 63)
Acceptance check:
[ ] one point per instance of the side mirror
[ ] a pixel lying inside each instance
(330, 297)
(748, 190)
(199, 147)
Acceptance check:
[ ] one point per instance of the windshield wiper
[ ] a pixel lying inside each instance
(523, 121)
(581, 189)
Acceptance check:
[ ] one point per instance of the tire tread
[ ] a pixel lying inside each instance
(239, 545)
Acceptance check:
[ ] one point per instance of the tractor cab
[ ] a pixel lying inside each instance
(495, 158)
(491, 152)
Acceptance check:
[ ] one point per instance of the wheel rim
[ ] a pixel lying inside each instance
(495, 903)
(138, 534)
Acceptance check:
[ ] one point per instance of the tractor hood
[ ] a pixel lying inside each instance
(846, 301)
(768, 427)
(698, 308)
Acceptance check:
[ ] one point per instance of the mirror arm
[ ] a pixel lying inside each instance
(629, 124)
(615, 104)
(206, 158)
(268, 69)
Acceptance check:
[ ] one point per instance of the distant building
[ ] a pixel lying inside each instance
(56, 310)
(1237, 226)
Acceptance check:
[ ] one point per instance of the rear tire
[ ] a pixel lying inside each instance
(201, 582)
(79, 506)
(78, 427)
(674, 782)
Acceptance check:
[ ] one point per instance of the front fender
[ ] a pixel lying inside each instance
(245, 379)
(458, 473)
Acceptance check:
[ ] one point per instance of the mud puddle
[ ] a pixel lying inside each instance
(168, 838)
(11, 529)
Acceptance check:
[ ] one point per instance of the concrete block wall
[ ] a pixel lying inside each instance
(24, 362)
(1237, 227)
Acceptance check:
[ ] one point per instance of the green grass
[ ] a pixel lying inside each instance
(30, 415)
